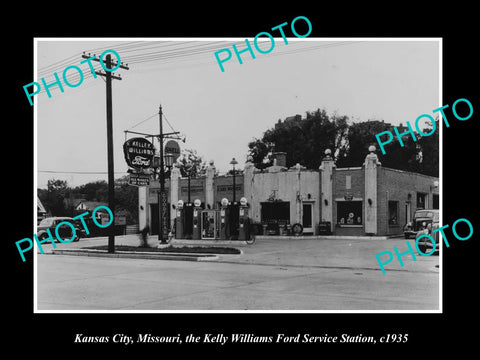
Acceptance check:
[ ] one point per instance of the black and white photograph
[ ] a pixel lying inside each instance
(237, 181)
(276, 194)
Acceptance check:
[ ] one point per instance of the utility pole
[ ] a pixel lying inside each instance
(111, 180)
(162, 196)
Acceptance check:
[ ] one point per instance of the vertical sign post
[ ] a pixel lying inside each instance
(162, 196)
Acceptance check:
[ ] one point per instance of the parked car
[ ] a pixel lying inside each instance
(425, 244)
(424, 222)
(421, 219)
(64, 231)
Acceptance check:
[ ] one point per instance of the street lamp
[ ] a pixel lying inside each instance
(169, 161)
(233, 163)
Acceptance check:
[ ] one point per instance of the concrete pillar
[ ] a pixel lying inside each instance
(249, 190)
(174, 184)
(209, 186)
(142, 207)
(327, 169)
(298, 191)
(370, 201)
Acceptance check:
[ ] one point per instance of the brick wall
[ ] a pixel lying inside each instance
(340, 190)
(357, 182)
(223, 188)
(396, 185)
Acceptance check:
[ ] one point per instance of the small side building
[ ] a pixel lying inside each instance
(373, 200)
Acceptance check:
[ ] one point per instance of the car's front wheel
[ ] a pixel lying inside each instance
(422, 248)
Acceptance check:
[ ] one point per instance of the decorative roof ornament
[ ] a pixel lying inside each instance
(372, 156)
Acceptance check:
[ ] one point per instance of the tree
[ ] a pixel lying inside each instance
(260, 153)
(362, 135)
(93, 191)
(304, 140)
(191, 164)
(52, 197)
(419, 156)
(126, 199)
(429, 151)
(359, 137)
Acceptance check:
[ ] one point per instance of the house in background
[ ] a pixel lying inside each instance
(84, 205)
(71, 202)
(101, 214)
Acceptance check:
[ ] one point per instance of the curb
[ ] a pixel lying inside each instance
(208, 242)
(324, 237)
(137, 255)
(280, 238)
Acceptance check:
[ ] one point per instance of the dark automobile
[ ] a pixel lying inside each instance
(425, 244)
(421, 219)
(64, 231)
(424, 222)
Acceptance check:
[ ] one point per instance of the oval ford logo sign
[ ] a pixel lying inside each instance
(138, 153)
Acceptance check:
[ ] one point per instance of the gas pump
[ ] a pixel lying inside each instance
(233, 220)
(224, 219)
(179, 220)
(244, 221)
(187, 220)
(209, 224)
(197, 218)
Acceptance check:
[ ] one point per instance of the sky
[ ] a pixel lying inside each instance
(219, 112)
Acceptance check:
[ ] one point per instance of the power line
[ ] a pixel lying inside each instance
(135, 52)
(168, 122)
(141, 122)
(76, 172)
(58, 64)
(168, 52)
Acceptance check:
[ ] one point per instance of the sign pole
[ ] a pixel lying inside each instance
(139, 154)
(162, 211)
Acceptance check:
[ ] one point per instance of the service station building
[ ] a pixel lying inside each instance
(356, 201)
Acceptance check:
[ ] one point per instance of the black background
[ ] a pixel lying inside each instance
(53, 334)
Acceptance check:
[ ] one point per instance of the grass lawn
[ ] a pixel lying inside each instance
(171, 249)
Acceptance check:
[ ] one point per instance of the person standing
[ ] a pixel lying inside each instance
(144, 236)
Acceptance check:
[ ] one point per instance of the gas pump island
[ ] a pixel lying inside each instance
(230, 222)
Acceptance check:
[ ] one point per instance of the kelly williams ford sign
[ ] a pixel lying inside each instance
(138, 153)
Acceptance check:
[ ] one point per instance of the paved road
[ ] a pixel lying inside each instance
(273, 274)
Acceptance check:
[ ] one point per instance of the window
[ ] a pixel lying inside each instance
(392, 212)
(421, 200)
(275, 211)
(436, 201)
(46, 222)
(349, 213)
(275, 214)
